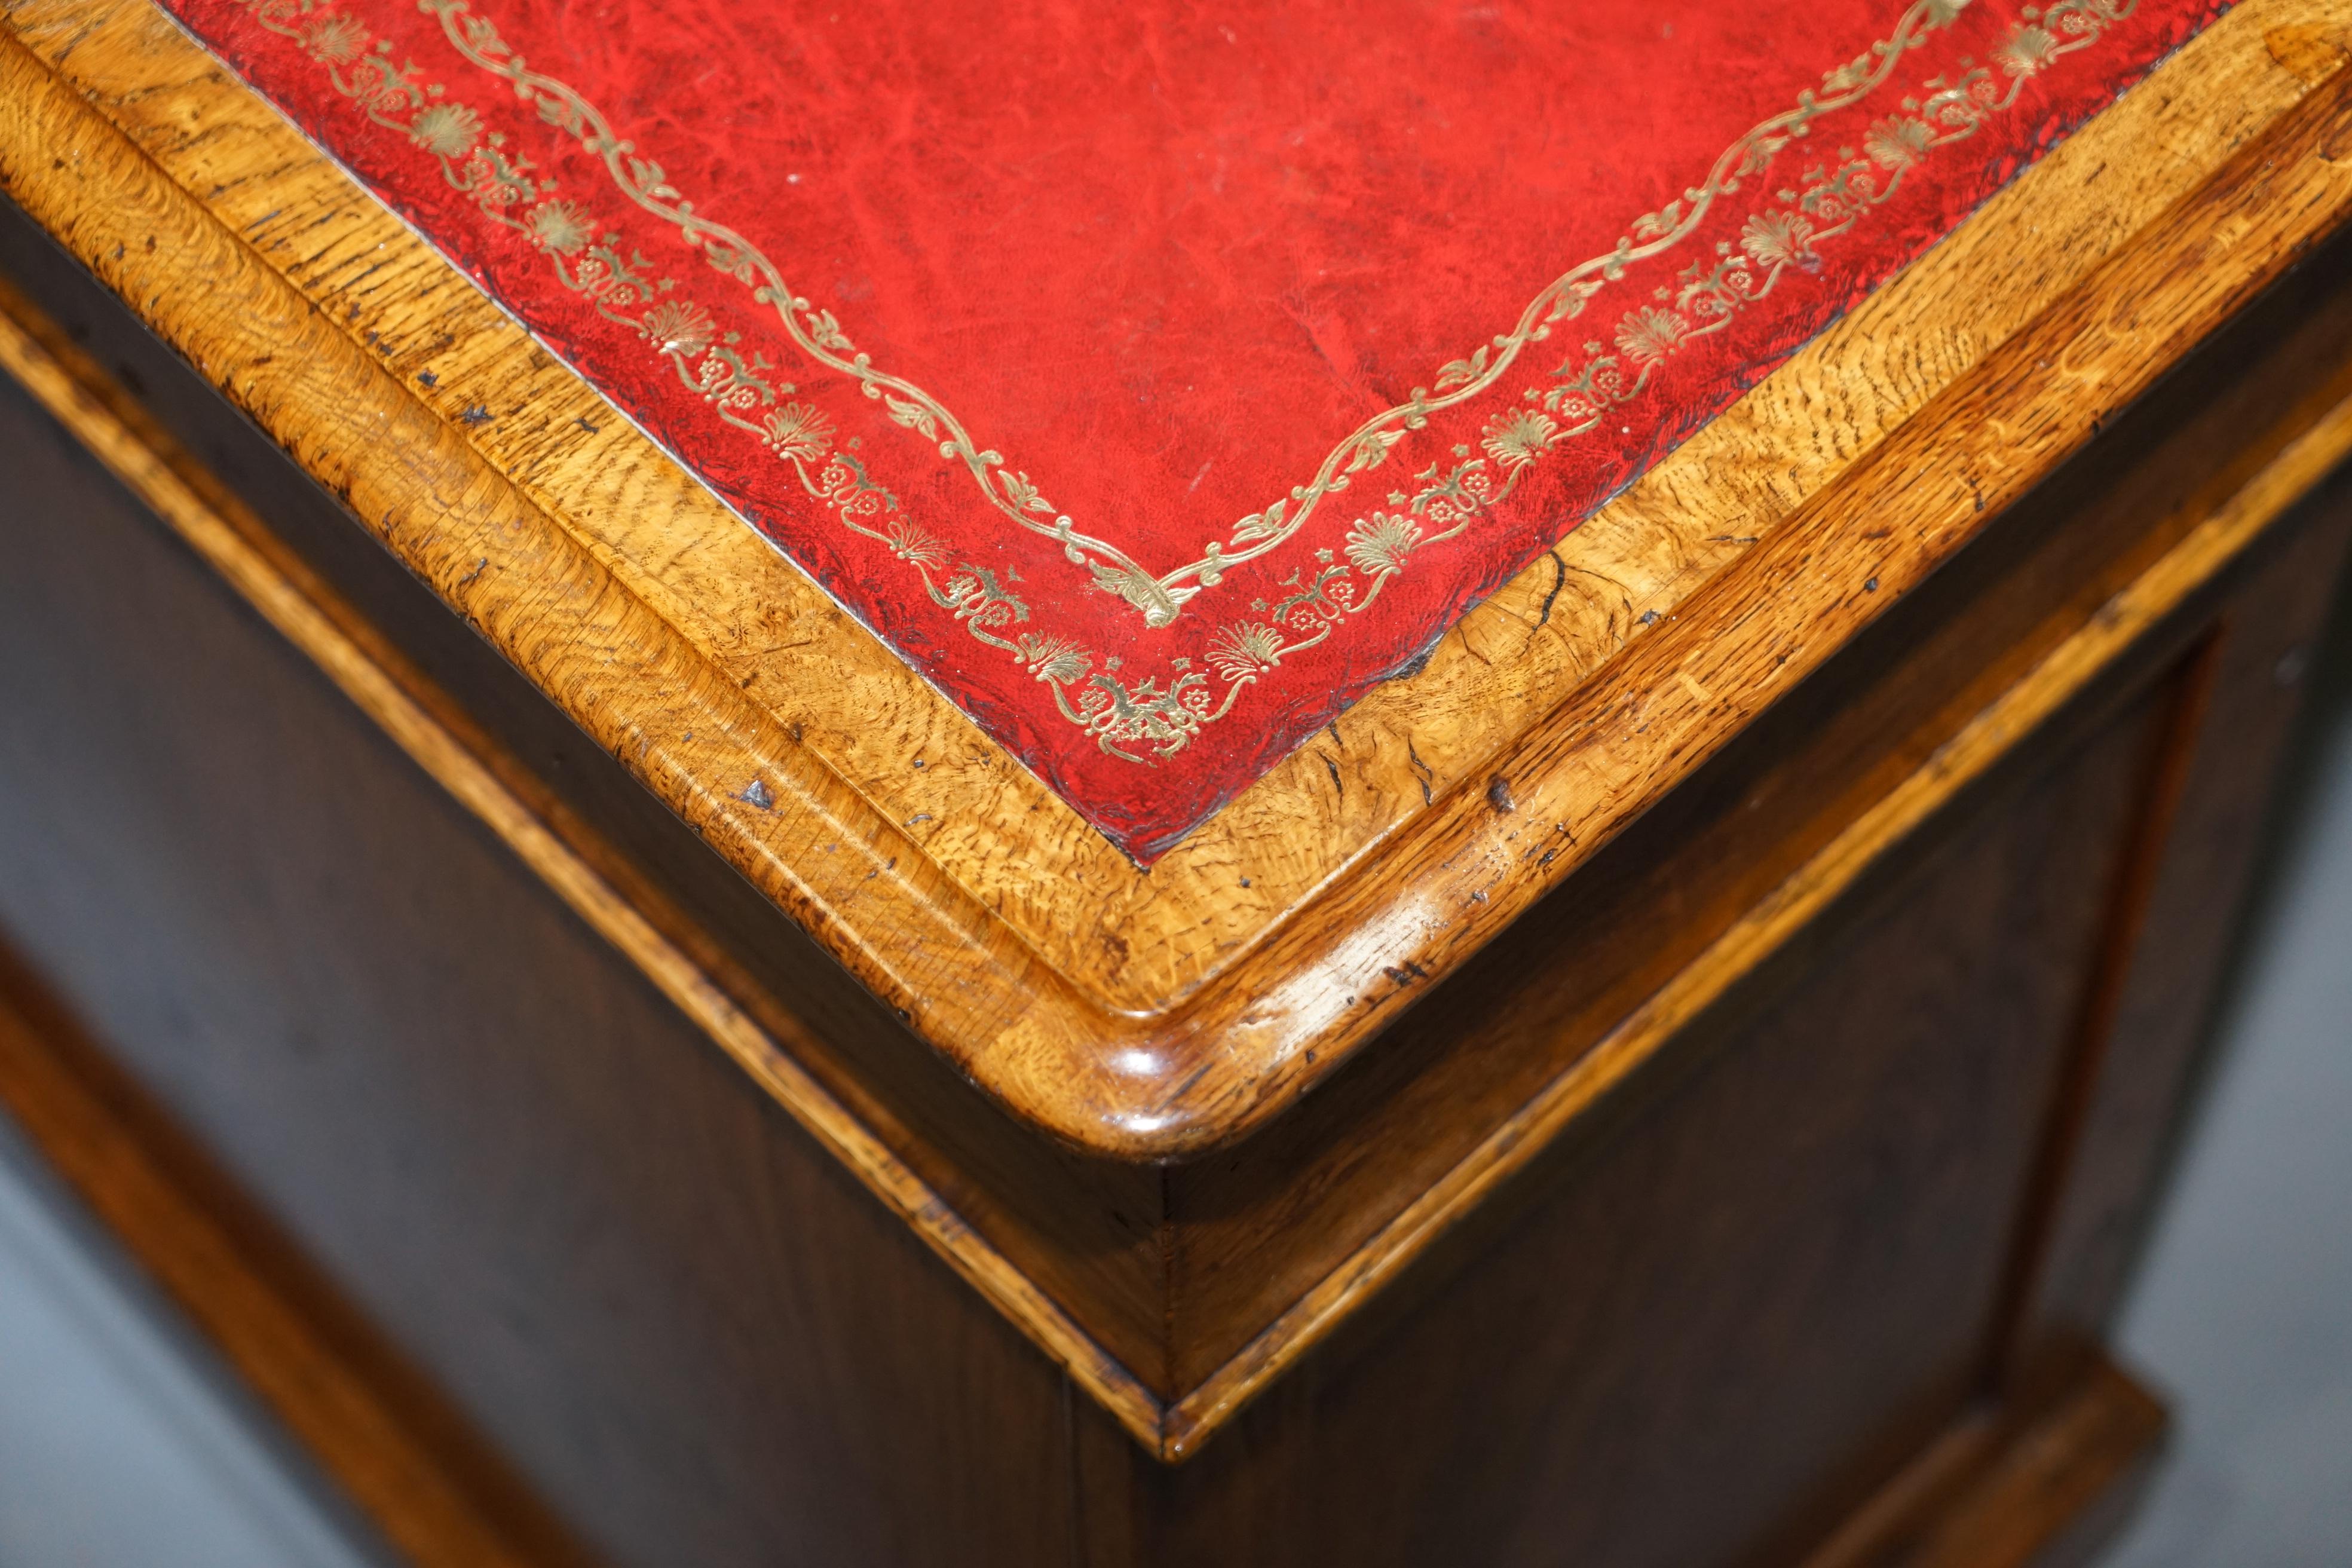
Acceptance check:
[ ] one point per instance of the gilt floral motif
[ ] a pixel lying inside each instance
(1130, 714)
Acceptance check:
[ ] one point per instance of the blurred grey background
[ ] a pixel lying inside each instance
(123, 1443)
(2242, 1311)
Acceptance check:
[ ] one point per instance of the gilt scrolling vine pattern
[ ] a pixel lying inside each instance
(1161, 711)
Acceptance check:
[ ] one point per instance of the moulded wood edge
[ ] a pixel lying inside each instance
(1151, 1113)
(1046, 1066)
(2036, 1492)
(241, 553)
(1172, 1431)
(306, 613)
(397, 699)
(2209, 550)
(813, 808)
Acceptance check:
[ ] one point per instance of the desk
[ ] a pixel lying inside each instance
(639, 1071)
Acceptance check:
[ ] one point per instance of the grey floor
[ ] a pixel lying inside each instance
(123, 1445)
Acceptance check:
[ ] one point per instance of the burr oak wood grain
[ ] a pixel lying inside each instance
(2025, 535)
(1174, 1295)
(1772, 1264)
(1154, 1016)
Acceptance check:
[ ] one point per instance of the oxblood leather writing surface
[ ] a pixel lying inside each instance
(1155, 378)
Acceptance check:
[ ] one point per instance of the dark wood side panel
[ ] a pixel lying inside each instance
(698, 1338)
(1775, 1278)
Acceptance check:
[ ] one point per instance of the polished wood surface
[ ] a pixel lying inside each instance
(1292, 1233)
(1704, 894)
(581, 867)
(1790, 1251)
(1174, 1296)
(1149, 1016)
(1990, 1494)
(1744, 1037)
(674, 1311)
(2046, 1493)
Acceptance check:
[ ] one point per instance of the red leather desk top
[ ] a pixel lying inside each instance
(1156, 376)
